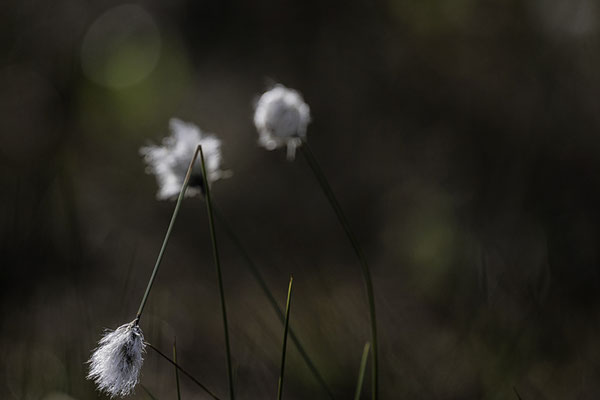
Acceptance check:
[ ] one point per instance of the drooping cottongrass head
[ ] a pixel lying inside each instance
(170, 161)
(281, 117)
(116, 362)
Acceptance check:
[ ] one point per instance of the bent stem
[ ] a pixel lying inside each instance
(148, 392)
(517, 393)
(285, 334)
(361, 371)
(270, 297)
(176, 370)
(167, 236)
(320, 176)
(183, 371)
(213, 237)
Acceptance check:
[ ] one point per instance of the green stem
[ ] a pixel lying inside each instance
(272, 301)
(176, 370)
(167, 236)
(361, 371)
(183, 371)
(148, 392)
(517, 393)
(326, 187)
(285, 334)
(213, 237)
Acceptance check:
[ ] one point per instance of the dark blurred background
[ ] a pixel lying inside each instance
(460, 136)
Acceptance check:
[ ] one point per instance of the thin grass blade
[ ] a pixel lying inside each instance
(366, 271)
(176, 370)
(153, 397)
(517, 393)
(361, 370)
(213, 236)
(168, 234)
(285, 334)
(183, 371)
(270, 297)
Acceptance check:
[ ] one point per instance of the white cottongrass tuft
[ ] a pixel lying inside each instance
(170, 161)
(281, 117)
(116, 362)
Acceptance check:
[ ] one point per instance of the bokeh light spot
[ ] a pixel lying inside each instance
(121, 47)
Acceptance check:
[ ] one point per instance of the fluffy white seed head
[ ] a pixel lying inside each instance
(116, 362)
(281, 117)
(170, 161)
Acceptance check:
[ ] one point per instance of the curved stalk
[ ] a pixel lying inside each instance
(285, 334)
(213, 236)
(326, 187)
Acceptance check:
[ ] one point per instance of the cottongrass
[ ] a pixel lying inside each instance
(170, 161)
(116, 363)
(281, 117)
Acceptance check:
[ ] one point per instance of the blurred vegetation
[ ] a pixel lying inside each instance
(461, 138)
